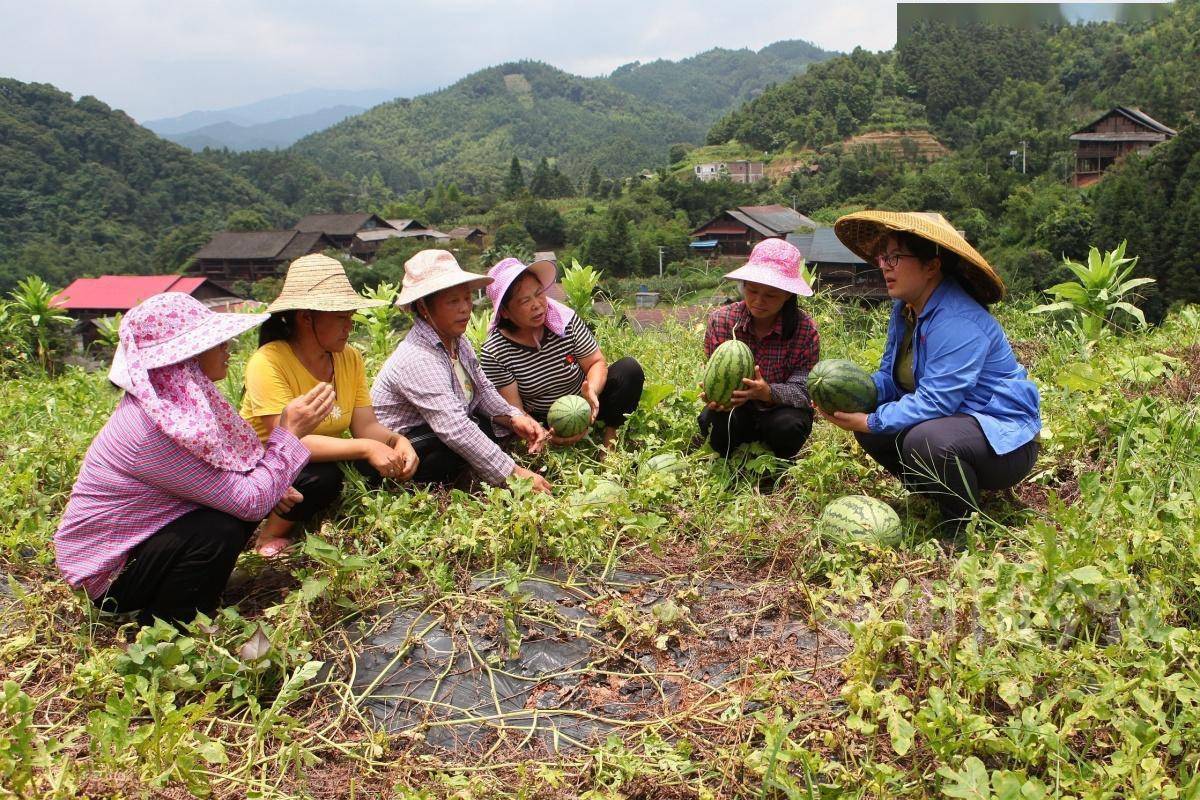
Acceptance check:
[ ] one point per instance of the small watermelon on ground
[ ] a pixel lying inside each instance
(663, 463)
(836, 384)
(857, 517)
(729, 364)
(570, 415)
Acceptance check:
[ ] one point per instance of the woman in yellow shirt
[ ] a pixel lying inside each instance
(303, 344)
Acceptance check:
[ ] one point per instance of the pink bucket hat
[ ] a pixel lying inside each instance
(154, 364)
(774, 262)
(505, 273)
(430, 271)
(172, 327)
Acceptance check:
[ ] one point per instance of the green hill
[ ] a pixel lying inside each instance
(469, 132)
(709, 84)
(84, 189)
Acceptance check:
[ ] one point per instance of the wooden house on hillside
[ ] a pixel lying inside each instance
(736, 230)
(838, 270)
(251, 255)
(366, 243)
(469, 234)
(342, 228)
(1119, 132)
(736, 171)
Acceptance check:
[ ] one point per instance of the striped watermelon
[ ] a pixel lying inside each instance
(730, 363)
(663, 464)
(836, 384)
(861, 518)
(570, 415)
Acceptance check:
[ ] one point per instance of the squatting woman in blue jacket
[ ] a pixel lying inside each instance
(956, 412)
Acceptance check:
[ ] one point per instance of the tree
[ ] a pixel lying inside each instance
(593, 182)
(514, 184)
(513, 235)
(542, 183)
(545, 225)
(247, 219)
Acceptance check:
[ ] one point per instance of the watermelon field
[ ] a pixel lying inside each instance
(665, 625)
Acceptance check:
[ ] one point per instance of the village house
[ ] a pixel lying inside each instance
(736, 230)
(469, 234)
(366, 243)
(89, 299)
(251, 255)
(1119, 132)
(736, 171)
(838, 270)
(342, 228)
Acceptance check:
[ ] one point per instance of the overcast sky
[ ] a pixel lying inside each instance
(158, 58)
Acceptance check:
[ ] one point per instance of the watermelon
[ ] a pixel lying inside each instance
(861, 518)
(663, 464)
(836, 384)
(570, 415)
(729, 364)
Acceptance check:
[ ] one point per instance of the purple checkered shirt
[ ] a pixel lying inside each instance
(135, 480)
(417, 386)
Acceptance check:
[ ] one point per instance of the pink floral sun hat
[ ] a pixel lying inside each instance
(505, 274)
(156, 365)
(776, 263)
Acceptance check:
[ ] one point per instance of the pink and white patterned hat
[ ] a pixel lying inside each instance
(172, 327)
(155, 364)
(776, 263)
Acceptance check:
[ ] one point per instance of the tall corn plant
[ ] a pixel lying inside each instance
(579, 284)
(1099, 292)
(35, 318)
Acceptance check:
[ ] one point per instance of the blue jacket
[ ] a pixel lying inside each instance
(963, 365)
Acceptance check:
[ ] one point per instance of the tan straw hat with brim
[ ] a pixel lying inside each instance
(863, 230)
(430, 271)
(318, 283)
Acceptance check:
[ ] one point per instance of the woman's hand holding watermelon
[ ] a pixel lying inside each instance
(589, 394)
(756, 388)
(847, 421)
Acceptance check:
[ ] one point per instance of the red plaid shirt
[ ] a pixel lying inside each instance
(785, 363)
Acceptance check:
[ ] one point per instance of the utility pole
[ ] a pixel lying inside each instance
(793, 202)
(660, 257)
(1022, 156)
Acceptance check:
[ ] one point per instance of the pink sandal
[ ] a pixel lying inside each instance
(275, 548)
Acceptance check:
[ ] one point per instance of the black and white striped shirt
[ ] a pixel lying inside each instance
(542, 374)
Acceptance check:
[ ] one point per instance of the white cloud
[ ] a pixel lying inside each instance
(156, 58)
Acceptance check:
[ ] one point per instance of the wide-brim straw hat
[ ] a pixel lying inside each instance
(317, 282)
(505, 273)
(863, 230)
(431, 271)
(775, 263)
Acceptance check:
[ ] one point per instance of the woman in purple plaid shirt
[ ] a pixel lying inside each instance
(773, 407)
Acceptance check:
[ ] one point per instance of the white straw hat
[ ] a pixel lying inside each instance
(431, 271)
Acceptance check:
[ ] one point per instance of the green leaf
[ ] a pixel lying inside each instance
(970, 782)
(1079, 377)
(901, 732)
(1088, 576)
(213, 752)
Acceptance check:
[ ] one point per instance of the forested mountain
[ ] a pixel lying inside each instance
(85, 189)
(271, 135)
(468, 132)
(709, 84)
(987, 92)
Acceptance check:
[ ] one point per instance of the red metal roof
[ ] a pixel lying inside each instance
(121, 292)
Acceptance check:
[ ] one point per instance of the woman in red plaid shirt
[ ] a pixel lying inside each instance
(773, 407)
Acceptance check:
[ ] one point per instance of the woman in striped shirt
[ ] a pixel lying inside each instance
(174, 484)
(538, 350)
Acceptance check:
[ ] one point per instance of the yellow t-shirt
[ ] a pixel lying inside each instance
(275, 377)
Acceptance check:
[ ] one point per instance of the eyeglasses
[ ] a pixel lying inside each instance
(891, 260)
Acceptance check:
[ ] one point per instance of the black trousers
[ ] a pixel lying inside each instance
(180, 570)
(439, 464)
(622, 391)
(950, 460)
(783, 429)
(321, 484)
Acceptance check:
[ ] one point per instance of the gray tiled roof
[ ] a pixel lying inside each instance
(823, 247)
